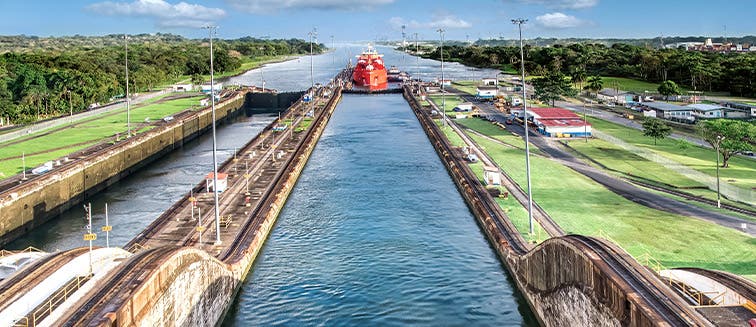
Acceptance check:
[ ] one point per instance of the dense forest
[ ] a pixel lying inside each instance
(656, 42)
(702, 71)
(41, 79)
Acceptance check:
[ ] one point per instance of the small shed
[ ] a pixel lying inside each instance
(183, 87)
(491, 175)
(222, 182)
(463, 107)
(486, 92)
(489, 81)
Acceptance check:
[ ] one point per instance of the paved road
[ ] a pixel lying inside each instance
(621, 187)
(36, 127)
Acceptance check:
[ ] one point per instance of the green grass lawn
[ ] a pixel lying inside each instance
(70, 140)
(580, 205)
(741, 171)
(632, 85)
(469, 87)
(616, 158)
(516, 212)
(451, 102)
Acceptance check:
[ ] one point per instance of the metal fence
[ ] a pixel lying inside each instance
(730, 191)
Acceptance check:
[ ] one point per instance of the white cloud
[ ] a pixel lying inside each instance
(558, 20)
(166, 14)
(437, 21)
(268, 6)
(562, 4)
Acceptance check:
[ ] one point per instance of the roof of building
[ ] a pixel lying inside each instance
(612, 92)
(553, 113)
(488, 78)
(469, 104)
(664, 106)
(220, 176)
(487, 87)
(705, 107)
(563, 122)
(739, 105)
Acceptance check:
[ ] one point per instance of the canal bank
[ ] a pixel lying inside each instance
(32, 203)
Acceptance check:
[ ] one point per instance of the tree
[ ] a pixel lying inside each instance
(594, 83)
(656, 129)
(668, 88)
(578, 76)
(197, 79)
(552, 87)
(729, 136)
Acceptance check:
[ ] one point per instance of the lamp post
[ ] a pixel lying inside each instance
(720, 138)
(70, 105)
(585, 122)
(128, 101)
(212, 29)
(313, 35)
(417, 58)
(262, 75)
(519, 23)
(443, 97)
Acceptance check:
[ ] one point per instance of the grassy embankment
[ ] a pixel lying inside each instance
(517, 213)
(56, 142)
(741, 171)
(580, 205)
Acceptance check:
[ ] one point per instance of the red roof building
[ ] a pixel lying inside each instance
(558, 122)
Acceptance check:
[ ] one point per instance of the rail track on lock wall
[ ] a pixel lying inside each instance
(655, 296)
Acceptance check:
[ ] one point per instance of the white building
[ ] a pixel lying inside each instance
(491, 175)
(557, 122)
(489, 81)
(486, 92)
(702, 110)
(614, 96)
(184, 87)
(217, 87)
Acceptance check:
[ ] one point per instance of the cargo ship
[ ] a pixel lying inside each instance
(370, 70)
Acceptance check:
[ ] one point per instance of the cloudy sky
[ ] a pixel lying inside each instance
(378, 19)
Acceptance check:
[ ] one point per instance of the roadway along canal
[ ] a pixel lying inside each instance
(375, 233)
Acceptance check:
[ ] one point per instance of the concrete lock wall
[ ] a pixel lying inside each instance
(28, 205)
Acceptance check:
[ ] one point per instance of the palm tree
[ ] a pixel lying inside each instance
(595, 84)
(578, 76)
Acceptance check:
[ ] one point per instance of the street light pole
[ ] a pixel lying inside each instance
(128, 101)
(443, 97)
(212, 30)
(519, 23)
(313, 34)
(720, 138)
(70, 105)
(417, 59)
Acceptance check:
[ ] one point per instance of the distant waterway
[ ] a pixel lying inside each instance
(375, 233)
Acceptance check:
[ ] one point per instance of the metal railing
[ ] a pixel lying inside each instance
(4, 253)
(53, 302)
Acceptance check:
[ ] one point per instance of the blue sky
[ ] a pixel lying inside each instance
(356, 20)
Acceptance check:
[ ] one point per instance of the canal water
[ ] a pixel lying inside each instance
(375, 233)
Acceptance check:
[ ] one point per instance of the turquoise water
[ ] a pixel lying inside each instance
(375, 233)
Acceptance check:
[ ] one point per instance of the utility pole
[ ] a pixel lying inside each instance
(23, 166)
(417, 58)
(720, 138)
(313, 35)
(107, 228)
(89, 236)
(212, 30)
(128, 101)
(333, 46)
(404, 47)
(443, 93)
(519, 23)
(70, 105)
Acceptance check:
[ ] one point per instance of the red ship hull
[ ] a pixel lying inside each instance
(370, 71)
